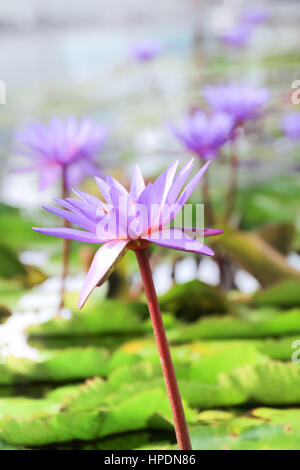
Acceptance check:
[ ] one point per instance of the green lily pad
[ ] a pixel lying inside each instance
(45, 423)
(109, 316)
(285, 294)
(277, 325)
(56, 366)
(193, 299)
(254, 436)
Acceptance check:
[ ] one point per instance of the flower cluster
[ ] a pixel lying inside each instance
(204, 135)
(146, 51)
(63, 146)
(240, 34)
(241, 102)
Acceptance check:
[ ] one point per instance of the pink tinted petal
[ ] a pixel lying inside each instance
(93, 200)
(117, 198)
(82, 207)
(108, 226)
(70, 234)
(161, 189)
(112, 182)
(179, 182)
(76, 219)
(177, 240)
(163, 184)
(146, 195)
(200, 232)
(67, 205)
(104, 261)
(137, 183)
(104, 189)
(191, 185)
(177, 206)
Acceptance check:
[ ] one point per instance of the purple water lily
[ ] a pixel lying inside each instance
(204, 135)
(129, 219)
(133, 220)
(145, 51)
(241, 102)
(255, 15)
(63, 146)
(291, 125)
(237, 36)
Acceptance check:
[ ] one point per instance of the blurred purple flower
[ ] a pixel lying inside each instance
(68, 146)
(145, 51)
(204, 135)
(129, 220)
(237, 36)
(291, 125)
(241, 102)
(255, 16)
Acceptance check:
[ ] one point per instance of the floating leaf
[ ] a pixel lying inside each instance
(252, 436)
(61, 365)
(193, 299)
(278, 324)
(46, 425)
(109, 316)
(207, 369)
(284, 295)
(271, 383)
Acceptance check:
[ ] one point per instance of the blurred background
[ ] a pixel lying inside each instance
(75, 58)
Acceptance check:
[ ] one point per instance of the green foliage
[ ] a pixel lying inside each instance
(273, 201)
(285, 294)
(110, 316)
(252, 253)
(258, 326)
(56, 366)
(193, 299)
(82, 418)
(16, 229)
(10, 266)
(245, 435)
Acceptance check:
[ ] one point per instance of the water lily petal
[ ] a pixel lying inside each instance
(103, 262)
(70, 234)
(179, 182)
(137, 183)
(77, 219)
(177, 240)
(200, 232)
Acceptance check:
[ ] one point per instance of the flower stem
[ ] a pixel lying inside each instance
(232, 187)
(66, 243)
(181, 430)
